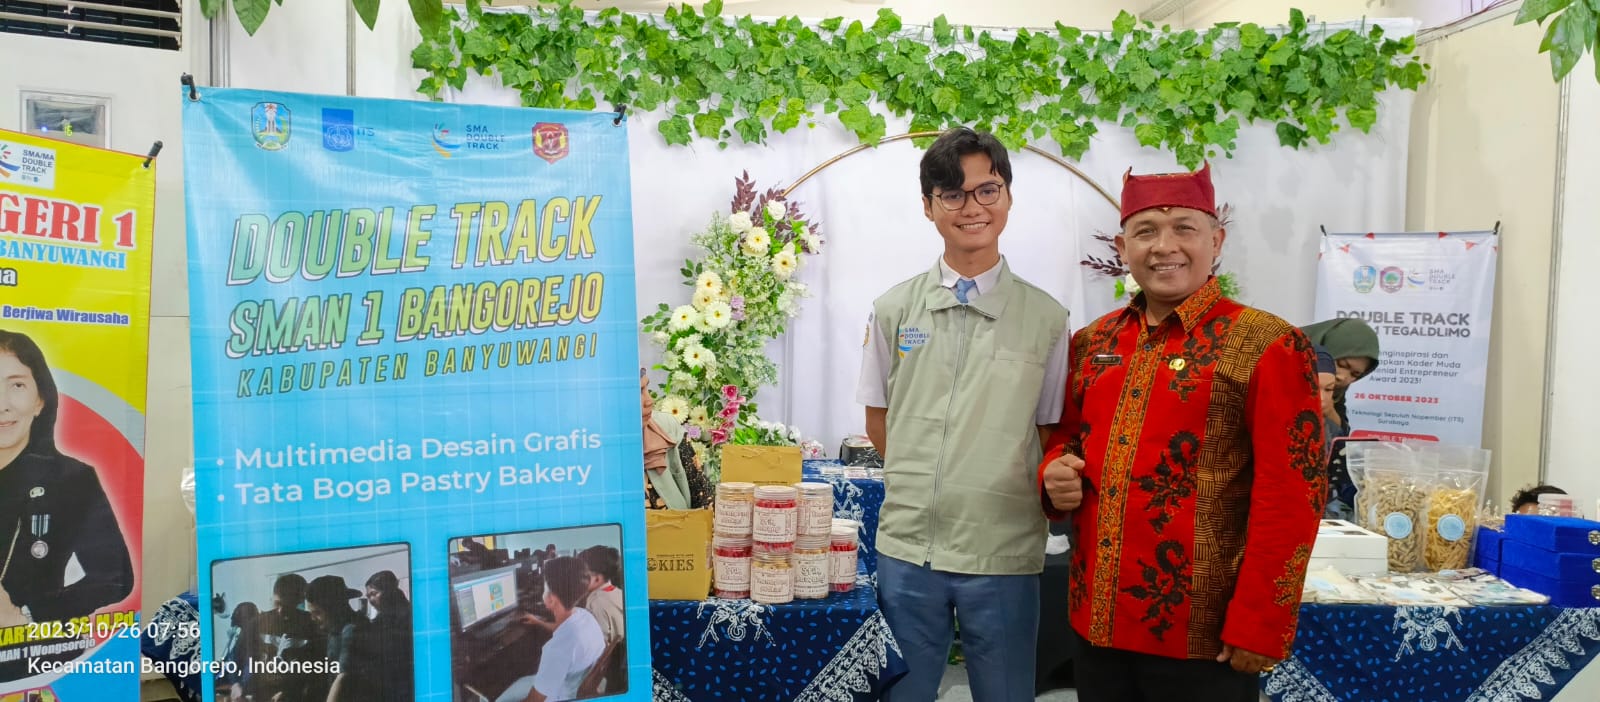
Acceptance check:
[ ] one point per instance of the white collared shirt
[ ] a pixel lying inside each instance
(985, 280)
(873, 388)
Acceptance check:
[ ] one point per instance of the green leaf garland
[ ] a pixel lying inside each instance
(734, 80)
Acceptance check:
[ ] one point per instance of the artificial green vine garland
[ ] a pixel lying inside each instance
(722, 78)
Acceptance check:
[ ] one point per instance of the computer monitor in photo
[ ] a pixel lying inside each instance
(485, 596)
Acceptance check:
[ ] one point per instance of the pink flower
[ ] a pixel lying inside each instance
(692, 431)
(730, 411)
(719, 436)
(731, 393)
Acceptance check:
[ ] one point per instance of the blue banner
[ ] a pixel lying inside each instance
(416, 396)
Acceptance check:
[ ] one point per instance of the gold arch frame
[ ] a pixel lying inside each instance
(917, 135)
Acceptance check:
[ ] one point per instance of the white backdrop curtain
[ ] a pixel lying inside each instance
(869, 206)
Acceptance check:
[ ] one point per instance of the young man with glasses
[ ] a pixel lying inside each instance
(965, 365)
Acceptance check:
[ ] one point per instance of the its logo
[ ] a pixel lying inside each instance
(550, 141)
(1417, 278)
(8, 162)
(443, 142)
(28, 165)
(1364, 279)
(269, 123)
(338, 129)
(1391, 279)
(908, 339)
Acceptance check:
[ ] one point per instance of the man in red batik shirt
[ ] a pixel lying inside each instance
(1190, 456)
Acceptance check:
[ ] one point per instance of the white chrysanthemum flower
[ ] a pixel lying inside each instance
(787, 303)
(784, 264)
(740, 222)
(710, 282)
(684, 343)
(698, 356)
(757, 241)
(660, 338)
(698, 415)
(676, 407)
(813, 243)
(718, 315)
(703, 298)
(681, 379)
(776, 211)
(703, 325)
(683, 318)
(669, 360)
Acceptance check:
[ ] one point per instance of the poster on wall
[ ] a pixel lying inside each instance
(75, 238)
(416, 398)
(1430, 298)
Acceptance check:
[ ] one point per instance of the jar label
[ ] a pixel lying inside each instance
(819, 517)
(732, 573)
(812, 570)
(772, 584)
(842, 566)
(775, 525)
(733, 517)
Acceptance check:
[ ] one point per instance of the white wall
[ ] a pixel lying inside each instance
(145, 105)
(1571, 463)
(1483, 150)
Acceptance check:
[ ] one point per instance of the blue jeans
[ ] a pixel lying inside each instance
(999, 629)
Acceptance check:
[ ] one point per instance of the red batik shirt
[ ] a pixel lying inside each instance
(1203, 484)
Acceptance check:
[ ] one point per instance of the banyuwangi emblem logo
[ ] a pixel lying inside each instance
(270, 124)
(1364, 279)
(1391, 279)
(550, 141)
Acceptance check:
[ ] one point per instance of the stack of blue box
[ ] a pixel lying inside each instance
(1554, 556)
(1486, 549)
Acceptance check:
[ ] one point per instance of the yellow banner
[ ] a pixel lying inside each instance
(75, 239)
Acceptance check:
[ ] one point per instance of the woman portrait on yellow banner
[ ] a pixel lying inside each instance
(62, 553)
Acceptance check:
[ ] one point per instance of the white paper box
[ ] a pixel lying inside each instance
(1349, 549)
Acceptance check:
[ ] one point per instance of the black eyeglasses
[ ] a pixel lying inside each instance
(986, 194)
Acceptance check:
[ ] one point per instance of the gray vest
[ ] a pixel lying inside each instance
(961, 470)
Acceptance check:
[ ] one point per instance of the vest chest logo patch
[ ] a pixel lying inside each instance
(908, 339)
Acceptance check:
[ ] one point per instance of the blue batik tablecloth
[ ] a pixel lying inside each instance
(1374, 653)
(174, 637)
(834, 650)
(854, 498)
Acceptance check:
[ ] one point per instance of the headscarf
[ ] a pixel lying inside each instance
(1325, 362)
(1345, 338)
(656, 442)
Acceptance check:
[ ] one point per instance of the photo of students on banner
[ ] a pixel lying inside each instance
(64, 555)
(318, 639)
(538, 615)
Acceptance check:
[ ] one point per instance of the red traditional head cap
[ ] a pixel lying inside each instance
(1191, 190)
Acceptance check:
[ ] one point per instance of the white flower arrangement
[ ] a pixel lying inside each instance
(744, 292)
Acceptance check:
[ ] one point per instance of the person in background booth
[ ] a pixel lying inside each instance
(1354, 347)
(1527, 501)
(574, 647)
(393, 632)
(962, 372)
(1191, 446)
(62, 554)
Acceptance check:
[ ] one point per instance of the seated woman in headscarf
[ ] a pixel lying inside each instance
(1354, 347)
